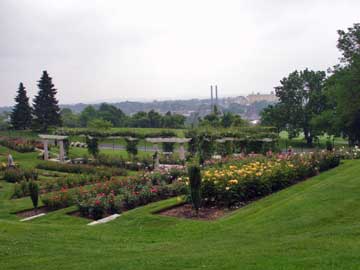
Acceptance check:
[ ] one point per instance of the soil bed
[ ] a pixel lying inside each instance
(186, 211)
(32, 212)
(77, 213)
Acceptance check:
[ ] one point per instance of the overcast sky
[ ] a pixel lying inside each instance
(145, 50)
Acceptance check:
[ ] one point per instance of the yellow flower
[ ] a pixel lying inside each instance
(233, 182)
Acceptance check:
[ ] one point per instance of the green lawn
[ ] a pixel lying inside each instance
(299, 142)
(312, 225)
(75, 152)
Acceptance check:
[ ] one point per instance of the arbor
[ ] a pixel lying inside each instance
(46, 108)
(21, 115)
(301, 98)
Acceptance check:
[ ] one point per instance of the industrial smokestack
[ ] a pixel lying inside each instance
(212, 96)
(216, 95)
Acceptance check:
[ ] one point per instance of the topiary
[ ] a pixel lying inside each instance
(195, 186)
(34, 193)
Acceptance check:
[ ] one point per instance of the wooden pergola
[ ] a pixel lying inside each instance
(180, 141)
(60, 139)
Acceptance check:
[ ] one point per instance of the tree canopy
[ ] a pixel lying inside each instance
(46, 108)
(21, 115)
(300, 99)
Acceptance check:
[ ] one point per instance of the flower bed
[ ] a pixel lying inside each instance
(119, 162)
(13, 175)
(21, 189)
(81, 169)
(19, 145)
(349, 153)
(114, 195)
(235, 184)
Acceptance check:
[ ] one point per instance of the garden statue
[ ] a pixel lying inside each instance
(10, 161)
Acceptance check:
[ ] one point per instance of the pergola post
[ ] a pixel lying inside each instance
(157, 158)
(61, 151)
(46, 149)
(180, 141)
(59, 139)
(181, 151)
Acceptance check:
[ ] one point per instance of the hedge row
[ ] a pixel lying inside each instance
(81, 169)
(19, 145)
(121, 133)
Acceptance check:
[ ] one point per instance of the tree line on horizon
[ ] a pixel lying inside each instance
(107, 116)
(312, 103)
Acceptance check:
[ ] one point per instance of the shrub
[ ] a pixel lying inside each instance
(168, 146)
(57, 200)
(21, 189)
(13, 175)
(19, 145)
(34, 193)
(119, 162)
(131, 146)
(351, 153)
(195, 186)
(93, 145)
(81, 169)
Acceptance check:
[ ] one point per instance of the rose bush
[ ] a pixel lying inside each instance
(115, 195)
(17, 144)
(237, 183)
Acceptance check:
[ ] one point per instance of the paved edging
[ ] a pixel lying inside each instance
(104, 220)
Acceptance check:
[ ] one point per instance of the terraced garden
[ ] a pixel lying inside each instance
(310, 225)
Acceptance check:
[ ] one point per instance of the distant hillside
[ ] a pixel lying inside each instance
(199, 107)
(5, 109)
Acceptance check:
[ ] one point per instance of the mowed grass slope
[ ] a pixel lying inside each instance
(312, 225)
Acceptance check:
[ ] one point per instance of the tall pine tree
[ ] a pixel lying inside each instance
(46, 108)
(21, 115)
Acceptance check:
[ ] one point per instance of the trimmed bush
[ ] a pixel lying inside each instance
(81, 169)
(195, 186)
(119, 162)
(13, 175)
(19, 145)
(34, 193)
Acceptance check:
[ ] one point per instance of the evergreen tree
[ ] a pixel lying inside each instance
(46, 108)
(21, 114)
